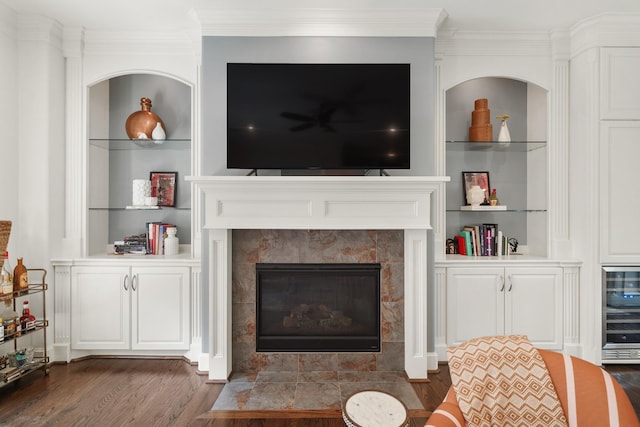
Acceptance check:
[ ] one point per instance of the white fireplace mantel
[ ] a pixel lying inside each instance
(317, 202)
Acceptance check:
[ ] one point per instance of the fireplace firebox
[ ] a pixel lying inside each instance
(317, 307)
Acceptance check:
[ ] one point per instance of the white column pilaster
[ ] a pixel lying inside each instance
(558, 149)
(220, 303)
(75, 146)
(415, 304)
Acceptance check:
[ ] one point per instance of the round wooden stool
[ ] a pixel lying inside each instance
(372, 408)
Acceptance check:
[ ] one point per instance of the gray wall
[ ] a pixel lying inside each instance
(217, 51)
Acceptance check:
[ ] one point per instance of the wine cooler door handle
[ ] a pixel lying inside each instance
(134, 282)
(126, 282)
(502, 280)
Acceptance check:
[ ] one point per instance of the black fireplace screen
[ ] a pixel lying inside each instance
(318, 307)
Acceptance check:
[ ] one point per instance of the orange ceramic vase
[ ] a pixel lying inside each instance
(140, 125)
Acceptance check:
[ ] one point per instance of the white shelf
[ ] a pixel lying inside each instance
(145, 207)
(482, 208)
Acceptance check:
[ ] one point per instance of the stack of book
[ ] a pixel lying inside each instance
(131, 245)
(482, 240)
(157, 231)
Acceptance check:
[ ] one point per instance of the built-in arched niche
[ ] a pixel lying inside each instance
(114, 160)
(517, 170)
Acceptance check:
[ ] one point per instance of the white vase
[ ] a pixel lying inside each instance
(475, 195)
(171, 242)
(141, 189)
(158, 133)
(504, 135)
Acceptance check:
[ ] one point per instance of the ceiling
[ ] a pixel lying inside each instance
(174, 15)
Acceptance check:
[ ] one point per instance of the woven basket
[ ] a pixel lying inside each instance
(5, 231)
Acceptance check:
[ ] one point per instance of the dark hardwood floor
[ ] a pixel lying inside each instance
(143, 392)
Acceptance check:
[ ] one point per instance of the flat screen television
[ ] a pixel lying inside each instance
(318, 116)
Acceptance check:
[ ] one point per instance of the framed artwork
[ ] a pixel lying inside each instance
(163, 186)
(475, 178)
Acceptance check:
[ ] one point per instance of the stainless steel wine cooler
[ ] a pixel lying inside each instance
(621, 314)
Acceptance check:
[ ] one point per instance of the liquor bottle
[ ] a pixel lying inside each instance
(11, 323)
(6, 283)
(27, 320)
(20, 278)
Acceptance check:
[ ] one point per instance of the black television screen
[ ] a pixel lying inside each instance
(318, 116)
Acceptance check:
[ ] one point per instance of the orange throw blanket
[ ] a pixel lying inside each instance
(503, 381)
(588, 395)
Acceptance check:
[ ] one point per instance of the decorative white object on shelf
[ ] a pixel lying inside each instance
(504, 135)
(141, 189)
(475, 195)
(171, 242)
(484, 208)
(158, 133)
(141, 208)
(150, 201)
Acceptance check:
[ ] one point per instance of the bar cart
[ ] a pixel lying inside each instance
(20, 361)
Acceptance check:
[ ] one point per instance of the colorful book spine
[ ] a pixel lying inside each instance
(467, 242)
(482, 240)
(462, 245)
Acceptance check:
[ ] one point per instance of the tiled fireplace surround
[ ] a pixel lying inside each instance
(315, 219)
(317, 246)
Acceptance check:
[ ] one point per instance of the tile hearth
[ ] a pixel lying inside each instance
(317, 390)
(289, 381)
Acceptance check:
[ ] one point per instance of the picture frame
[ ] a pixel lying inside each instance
(476, 178)
(163, 186)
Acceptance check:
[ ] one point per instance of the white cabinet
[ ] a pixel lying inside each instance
(130, 308)
(619, 96)
(504, 301)
(100, 308)
(619, 202)
(619, 153)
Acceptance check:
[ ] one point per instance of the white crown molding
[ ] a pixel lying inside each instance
(138, 42)
(560, 44)
(39, 28)
(340, 22)
(609, 29)
(492, 43)
(73, 41)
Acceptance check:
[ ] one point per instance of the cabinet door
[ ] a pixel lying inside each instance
(620, 97)
(475, 303)
(533, 305)
(619, 201)
(160, 308)
(100, 308)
